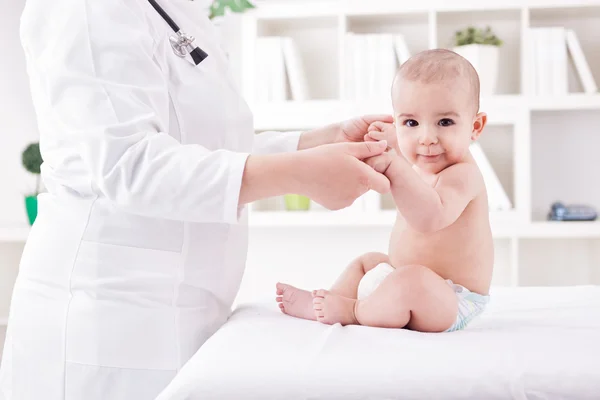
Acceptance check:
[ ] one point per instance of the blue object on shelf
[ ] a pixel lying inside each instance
(572, 212)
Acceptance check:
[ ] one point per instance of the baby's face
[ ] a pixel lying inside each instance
(435, 123)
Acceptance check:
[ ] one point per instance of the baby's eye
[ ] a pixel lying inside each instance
(411, 123)
(446, 122)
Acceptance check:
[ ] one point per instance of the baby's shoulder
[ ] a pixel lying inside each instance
(466, 172)
(464, 178)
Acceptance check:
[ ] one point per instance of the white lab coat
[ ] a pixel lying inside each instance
(139, 247)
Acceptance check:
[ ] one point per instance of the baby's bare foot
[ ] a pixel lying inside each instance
(330, 308)
(295, 302)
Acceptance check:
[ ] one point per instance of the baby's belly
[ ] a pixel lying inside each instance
(463, 256)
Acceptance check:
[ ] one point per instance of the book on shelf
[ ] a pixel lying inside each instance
(498, 199)
(581, 64)
(549, 52)
(369, 64)
(279, 71)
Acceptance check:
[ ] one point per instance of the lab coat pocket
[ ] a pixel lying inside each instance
(121, 310)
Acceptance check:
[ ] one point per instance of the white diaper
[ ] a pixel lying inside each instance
(373, 279)
(470, 304)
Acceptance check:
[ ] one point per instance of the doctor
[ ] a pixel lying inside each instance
(140, 243)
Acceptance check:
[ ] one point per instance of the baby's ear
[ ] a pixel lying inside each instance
(478, 124)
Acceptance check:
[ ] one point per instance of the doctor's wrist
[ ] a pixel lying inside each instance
(268, 176)
(318, 137)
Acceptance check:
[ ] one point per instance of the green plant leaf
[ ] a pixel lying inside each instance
(219, 7)
(473, 35)
(32, 159)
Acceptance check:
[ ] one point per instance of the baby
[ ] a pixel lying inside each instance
(437, 274)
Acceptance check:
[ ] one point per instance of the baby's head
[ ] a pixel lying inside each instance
(435, 97)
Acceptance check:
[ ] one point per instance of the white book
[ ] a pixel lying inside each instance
(560, 81)
(376, 66)
(544, 62)
(370, 65)
(497, 198)
(277, 77)
(296, 72)
(401, 49)
(359, 73)
(532, 88)
(583, 69)
(261, 82)
(347, 83)
(387, 66)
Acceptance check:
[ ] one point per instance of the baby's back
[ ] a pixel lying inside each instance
(462, 252)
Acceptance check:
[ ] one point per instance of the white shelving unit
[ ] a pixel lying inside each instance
(13, 233)
(543, 148)
(540, 146)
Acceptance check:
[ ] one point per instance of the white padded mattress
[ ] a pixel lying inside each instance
(531, 343)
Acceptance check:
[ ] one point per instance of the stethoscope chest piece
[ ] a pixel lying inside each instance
(182, 43)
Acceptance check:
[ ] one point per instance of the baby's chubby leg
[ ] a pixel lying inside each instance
(347, 283)
(412, 296)
(299, 303)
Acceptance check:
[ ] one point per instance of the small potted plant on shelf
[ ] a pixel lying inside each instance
(32, 162)
(296, 202)
(480, 47)
(226, 28)
(219, 8)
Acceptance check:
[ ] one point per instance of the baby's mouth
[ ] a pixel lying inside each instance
(430, 157)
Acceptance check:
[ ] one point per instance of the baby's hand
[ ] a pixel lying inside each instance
(381, 163)
(383, 131)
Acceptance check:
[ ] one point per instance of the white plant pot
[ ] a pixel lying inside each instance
(484, 59)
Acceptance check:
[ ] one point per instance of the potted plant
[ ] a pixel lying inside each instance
(218, 8)
(226, 28)
(296, 202)
(480, 47)
(32, 162)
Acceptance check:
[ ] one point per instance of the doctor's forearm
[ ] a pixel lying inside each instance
(267, 176)
(318, 137)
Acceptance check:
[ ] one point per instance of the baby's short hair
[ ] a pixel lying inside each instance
(438, 65)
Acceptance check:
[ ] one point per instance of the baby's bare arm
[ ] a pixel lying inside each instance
(426, 208)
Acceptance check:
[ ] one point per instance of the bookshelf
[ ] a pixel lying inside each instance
(540, 144)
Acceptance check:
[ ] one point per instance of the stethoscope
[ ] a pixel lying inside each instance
(182, 43)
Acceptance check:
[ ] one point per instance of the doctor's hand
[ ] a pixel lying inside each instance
(383, 131)
(335, 175)
(349, 131)
(355, 129)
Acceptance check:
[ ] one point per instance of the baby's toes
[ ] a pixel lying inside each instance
(319, 314)
(318, 303)
(320, 293)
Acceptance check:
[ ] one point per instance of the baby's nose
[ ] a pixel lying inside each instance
(428, 137)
